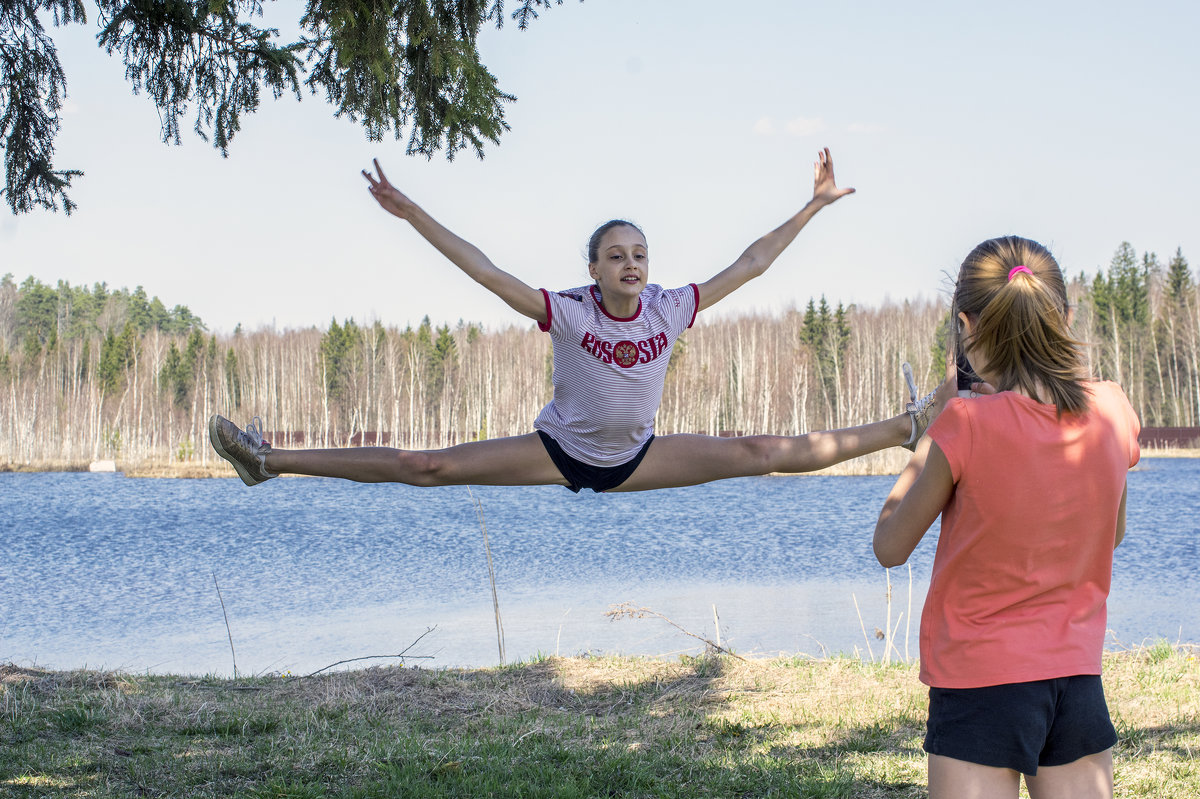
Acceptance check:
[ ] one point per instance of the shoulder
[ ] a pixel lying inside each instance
(1107, 391)
(568, 300)
(955, 412)
(564, 308)
(575, 294)
(688, 291)
(954, 428)
(1109, 398)
(683, 302)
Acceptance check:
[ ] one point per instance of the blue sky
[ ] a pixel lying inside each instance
(1073, 123)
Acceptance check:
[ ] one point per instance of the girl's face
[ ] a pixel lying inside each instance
(622, 266)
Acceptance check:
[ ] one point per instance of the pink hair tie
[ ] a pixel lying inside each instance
(1022, 268)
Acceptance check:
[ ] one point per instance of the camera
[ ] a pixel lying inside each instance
(966, 376)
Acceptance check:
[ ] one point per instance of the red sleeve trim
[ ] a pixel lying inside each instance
(545, 328)
(696, 308)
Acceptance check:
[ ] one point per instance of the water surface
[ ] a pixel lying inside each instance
(105, 571)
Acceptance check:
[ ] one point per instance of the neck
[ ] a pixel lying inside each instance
(620, 307)
(1039, 393)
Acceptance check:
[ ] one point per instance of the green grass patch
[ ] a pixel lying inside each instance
(551, 727)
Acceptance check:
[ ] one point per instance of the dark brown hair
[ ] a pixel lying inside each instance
(593, 249)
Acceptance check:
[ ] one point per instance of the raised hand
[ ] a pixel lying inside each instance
(825, 189)
(388, 196)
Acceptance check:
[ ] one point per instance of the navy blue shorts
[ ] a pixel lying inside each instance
(1021, 725)
(582, 475)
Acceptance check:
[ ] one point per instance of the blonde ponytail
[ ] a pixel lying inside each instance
(1013, 291)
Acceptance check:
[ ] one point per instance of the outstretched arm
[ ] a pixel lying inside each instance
(762, 253)
(466, 256)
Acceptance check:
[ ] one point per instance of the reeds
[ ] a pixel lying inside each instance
(487, 548)
(888, 635)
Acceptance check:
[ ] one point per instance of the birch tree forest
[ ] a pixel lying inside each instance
(88, 374)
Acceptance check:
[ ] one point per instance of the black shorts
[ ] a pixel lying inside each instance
(582, 475)
(1021, 725)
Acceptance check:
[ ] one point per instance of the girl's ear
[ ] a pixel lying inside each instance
(964, 324)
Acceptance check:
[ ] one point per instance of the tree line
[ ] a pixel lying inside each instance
(94, 373)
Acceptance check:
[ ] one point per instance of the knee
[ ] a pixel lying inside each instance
(423, 468)
(759, 452)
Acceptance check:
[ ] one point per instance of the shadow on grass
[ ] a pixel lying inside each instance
(572, 727)
(1175, 739)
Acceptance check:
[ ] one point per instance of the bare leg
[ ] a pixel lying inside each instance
(1088, 777)
(518, 460)
(683, 460)
(958, 779)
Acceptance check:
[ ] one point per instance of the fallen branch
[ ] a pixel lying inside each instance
(403, 655)
(627, 610)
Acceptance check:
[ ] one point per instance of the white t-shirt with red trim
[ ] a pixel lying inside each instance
(609, 372)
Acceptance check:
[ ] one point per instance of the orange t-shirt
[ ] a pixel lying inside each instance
(1024, 561)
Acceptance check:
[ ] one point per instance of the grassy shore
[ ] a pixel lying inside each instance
(569, 727)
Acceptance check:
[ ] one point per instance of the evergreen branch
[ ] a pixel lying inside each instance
(32, 85)
(528, 11)
(180, 51)
(393, 66)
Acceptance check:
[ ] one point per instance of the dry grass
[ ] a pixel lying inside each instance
(45, 466)
(185, 469)
(1170, 452)
(609, 726)
(887, 461)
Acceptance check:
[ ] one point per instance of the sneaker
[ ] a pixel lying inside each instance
(245, 449)
(917, 409)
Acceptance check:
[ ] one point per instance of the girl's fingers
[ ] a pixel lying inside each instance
(379, 169)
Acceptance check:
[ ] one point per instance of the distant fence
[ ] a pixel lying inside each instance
(1181, 437)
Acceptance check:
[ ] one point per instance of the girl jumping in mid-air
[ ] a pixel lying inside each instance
(1030, 484)
(612, 342)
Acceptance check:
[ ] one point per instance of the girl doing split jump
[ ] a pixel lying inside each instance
(612, 343)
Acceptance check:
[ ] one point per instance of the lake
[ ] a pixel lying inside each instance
(104, 571)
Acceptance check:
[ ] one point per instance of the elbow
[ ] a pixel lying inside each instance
(888, 554)
(889, 559)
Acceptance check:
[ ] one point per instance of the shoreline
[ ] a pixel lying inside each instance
(875, 464)
(1113, 650)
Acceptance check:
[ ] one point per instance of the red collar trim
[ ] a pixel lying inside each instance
(600, 303)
